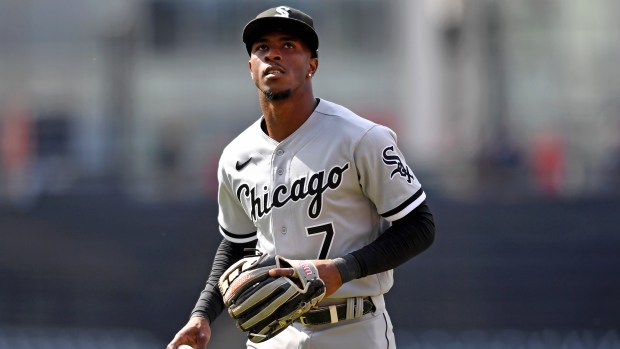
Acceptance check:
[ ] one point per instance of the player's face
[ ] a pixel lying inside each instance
(280, 64)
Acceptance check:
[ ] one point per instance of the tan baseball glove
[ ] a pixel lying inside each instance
(264, 305)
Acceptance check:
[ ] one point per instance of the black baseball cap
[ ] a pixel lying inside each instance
(283, 19)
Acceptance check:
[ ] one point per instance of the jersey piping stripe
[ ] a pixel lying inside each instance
(406, 207)
(387, 339)
(236, 238)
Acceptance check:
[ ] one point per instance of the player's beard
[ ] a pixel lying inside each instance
(277, 96)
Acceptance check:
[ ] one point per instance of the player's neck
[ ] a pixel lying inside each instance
(282, 118)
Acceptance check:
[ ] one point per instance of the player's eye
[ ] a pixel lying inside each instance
(260, 47)
(289, 45)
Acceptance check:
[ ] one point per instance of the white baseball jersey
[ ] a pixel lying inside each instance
(330, 188)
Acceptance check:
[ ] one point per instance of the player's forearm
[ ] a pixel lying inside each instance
(210, 303)
(406, 238)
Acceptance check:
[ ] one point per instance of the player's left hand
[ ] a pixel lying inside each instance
(328, 272)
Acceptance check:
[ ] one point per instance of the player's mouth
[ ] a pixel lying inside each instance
(273, 71)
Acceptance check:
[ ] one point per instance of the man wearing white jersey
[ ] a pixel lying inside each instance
(312, 180)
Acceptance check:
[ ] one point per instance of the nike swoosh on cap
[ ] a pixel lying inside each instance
(240, 167)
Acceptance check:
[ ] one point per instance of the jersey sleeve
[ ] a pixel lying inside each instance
(384, 175)
(234, 223)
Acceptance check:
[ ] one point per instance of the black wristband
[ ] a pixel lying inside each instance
(202, 314)
(349, 268)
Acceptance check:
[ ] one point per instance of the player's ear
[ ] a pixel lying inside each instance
(250, 66)
(313, 65)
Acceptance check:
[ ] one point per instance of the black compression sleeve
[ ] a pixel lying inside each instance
(210, 303)
(405, 239)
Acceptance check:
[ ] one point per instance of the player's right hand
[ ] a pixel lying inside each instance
(328, 271)
(196, 333)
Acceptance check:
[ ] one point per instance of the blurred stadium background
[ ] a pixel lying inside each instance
(113, 115)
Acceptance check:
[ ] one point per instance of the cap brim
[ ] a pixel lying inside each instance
(260, 26)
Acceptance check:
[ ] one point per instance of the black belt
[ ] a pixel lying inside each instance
(323, 316)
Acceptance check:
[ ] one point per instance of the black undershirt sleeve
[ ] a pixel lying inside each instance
(210, 303)
(405, 239)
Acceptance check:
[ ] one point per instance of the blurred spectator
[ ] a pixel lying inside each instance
(169, 152)
(611, 171)
(548, 160)
(15, 151)
(54, 168)
(500, 169)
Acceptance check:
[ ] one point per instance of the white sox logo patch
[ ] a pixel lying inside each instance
(394, 160)
(282, 11)
(301, 188)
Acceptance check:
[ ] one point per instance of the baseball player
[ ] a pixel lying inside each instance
(311, 180)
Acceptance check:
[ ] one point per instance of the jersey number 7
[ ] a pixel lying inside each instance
(328, 230)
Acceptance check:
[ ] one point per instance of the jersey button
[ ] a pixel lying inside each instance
(280, 171)
(283, 230)
(280, 152)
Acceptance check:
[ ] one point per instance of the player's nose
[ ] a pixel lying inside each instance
(273, 55)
